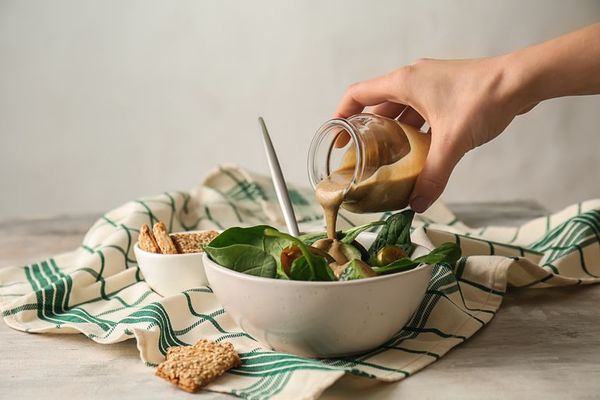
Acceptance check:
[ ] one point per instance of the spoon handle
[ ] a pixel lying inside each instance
(279, 182)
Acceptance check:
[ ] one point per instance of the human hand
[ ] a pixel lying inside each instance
(465, 102)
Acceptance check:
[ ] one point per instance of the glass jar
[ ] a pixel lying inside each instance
(376, 159)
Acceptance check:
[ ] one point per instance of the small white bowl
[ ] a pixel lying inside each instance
(320, 319)
(171, 274)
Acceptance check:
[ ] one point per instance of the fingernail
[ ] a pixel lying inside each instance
(420, 204)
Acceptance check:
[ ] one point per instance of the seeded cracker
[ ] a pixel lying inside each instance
(147, 241)
(192, 242)
(162, 238)
(192, 367)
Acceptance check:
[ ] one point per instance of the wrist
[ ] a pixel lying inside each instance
(518, 89)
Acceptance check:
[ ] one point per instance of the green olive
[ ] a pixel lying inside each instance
(388, 254)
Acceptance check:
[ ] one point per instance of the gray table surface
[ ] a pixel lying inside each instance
(543, 344)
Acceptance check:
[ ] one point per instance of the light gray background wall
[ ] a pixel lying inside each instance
(104, 101)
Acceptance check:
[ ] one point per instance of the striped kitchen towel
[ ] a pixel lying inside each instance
(99, 291)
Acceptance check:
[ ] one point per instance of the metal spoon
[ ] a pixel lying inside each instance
(279, 182)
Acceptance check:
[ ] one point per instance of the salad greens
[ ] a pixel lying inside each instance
(448, 253)
(347, 236)
(307, 267)
(357, 269)
(245, 250)
(266, 252)
(396, 232)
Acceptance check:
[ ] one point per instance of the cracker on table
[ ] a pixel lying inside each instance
(192, 367)
(192, 242)
(162, 238)
(146, 240)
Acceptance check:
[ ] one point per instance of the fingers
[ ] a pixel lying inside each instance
(441, 160)
(362, 94)
(389, 109)
(382, 92)
(411, 117)
(527, 109)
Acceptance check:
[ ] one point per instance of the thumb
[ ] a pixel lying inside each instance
(441, 160)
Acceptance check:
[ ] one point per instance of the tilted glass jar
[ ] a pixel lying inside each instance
(378, 165)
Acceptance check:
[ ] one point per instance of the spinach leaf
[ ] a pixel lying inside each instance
(316, 269)
(356, 269)
(307, 267)
(403, 264)
(301, 270)
(244, 250)
(396, 231)
(350, 251)
(252, 236)
(350, 235)
(274, 246)
(311, 237)
(347, 236)
(244, 258)
(445, 253)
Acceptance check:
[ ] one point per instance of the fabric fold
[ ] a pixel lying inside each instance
(98, 290)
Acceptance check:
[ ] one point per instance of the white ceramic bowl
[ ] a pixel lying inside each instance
(170, 274)
(320, 319)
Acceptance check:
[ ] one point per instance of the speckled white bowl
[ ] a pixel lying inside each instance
(171, 274)
(320, 319)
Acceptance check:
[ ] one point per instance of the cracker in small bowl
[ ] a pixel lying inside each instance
(192, 242)
(162, 238)
(147, 241)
